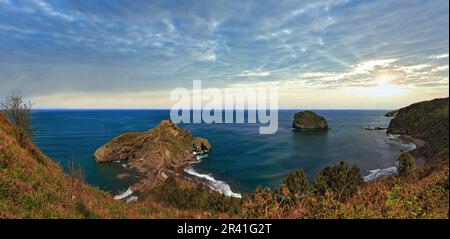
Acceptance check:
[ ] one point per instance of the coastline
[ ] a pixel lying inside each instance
(210, 182)
(222, 187)
(206, 180)
(416, 153)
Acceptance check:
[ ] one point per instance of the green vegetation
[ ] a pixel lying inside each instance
(262, 204)
(339, 179)
(332, 186)
(392, 197)
(297, 183)
(196, 197)
(406, 164)
(426, 120)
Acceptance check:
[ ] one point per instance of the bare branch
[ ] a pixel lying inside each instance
(18, 111)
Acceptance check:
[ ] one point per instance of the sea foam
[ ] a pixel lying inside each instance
(214, 184)
(395, 140)
(404, 145)
(124, 195)
(376, 173)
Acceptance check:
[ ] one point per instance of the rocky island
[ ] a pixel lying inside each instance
(307, 120)
(156, 154)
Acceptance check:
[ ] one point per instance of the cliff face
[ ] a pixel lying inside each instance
(157, 153)
(428, 121)
(309, 120)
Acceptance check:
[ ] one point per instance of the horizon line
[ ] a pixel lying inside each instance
(68, 109)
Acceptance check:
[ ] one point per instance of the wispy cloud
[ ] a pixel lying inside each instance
(50, 47)
(438, 56)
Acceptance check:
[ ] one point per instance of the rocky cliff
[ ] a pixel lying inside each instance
(158, 153)
(428, 121)
(391, 114)
(309, 120)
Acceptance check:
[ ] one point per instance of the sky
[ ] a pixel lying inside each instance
(330, 54)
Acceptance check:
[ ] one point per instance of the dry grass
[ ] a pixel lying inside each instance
(32, 186)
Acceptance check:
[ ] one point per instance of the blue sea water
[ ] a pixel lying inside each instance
(241, 157)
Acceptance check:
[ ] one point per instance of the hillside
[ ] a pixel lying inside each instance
(32, 186)
(428, 121)
(421, 195)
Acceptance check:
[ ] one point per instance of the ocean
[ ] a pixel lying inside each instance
(241, 158)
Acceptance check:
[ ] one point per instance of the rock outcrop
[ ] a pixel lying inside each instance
(309, 120)
(428, 121)
(375, 128)
(158, 153)
(391, 114)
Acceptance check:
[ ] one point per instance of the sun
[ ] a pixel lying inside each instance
(384, 88)
(383, 80)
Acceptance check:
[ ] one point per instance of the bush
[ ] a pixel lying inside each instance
(297, 183)
(261, 204)
(340, 179)
(184, 197)
(406, 164)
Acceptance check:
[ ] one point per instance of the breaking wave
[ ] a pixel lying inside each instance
(124, 195)
(395, 140)
(376, 173)
(214, 184)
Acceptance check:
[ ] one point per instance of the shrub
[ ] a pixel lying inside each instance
(185, 197)
(406, 164)
(297, 183)
(339, 179)
(261, 204)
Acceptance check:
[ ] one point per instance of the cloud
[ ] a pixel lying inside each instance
(438, 56)
(258, 72)
(440, 68)
(368, 66)
(47, 9)
(414, 68)
(50, 47)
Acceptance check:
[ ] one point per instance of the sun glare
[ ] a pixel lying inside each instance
(383, 80)
(383, 88)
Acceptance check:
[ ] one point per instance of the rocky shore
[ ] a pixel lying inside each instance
(391, 114)
(425, 124)
(417, 152)
(157, 154)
